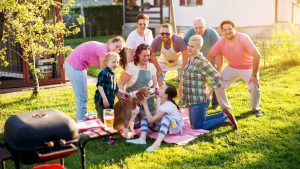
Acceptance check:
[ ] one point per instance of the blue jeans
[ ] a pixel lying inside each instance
(199, 119)
(79, 84)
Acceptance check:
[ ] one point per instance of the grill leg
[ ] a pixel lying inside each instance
(3, 164)
(62, 161)
(17, 164)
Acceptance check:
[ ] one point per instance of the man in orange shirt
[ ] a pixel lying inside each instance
(243, 62)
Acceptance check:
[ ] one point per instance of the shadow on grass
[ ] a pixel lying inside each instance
(13, 103)
(244, 115)
(279, 69)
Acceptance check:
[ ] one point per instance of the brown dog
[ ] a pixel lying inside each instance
(126, 113)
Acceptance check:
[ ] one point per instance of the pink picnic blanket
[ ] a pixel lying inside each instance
(188, 134)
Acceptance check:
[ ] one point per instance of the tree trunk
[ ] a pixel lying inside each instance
(36, 87)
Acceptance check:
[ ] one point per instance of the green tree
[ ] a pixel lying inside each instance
(29, 24)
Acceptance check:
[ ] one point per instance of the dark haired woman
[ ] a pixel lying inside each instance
(167, 119)
(90, 53)
(140, 73)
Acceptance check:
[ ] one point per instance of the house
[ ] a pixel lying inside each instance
(256, 17)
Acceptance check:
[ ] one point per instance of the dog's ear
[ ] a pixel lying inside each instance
(141, 93)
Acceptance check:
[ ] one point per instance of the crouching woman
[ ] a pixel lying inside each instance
(167, 119)
(196, 95)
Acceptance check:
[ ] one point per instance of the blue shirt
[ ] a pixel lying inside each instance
(210, 37)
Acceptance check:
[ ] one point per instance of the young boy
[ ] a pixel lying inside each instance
(107, 86)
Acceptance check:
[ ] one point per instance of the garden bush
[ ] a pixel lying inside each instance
(283, 47)
(100, 20)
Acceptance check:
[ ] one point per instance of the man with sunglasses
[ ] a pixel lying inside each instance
(210, 37)
(172, 49)
(138, 36)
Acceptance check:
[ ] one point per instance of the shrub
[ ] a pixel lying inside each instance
(283, 47)
(102, 20)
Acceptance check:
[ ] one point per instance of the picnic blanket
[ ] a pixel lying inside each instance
(187, 135)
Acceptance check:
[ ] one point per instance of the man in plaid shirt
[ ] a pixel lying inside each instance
(195, 93)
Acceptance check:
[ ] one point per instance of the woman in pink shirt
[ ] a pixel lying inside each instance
(90, 53)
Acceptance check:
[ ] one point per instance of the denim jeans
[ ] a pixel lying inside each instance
(79, 84)
(199, 119)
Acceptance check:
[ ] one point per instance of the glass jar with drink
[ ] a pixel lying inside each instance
(108, 117)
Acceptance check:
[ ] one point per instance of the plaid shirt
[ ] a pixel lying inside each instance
(195, 75)
(107, 80)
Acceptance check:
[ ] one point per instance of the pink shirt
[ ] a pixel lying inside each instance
(237, 54)
(87, 54)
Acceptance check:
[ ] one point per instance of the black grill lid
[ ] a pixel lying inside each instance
(33, 130)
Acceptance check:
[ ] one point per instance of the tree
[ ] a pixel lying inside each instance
(28, 23)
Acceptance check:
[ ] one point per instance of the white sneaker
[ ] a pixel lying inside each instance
(136, 141)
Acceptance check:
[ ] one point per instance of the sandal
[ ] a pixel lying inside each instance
(110, 140)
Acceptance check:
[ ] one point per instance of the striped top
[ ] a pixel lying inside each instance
(195, 75)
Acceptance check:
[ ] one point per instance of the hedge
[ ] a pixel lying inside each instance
(104, 20)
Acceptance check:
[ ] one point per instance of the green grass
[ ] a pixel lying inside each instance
(272, 141)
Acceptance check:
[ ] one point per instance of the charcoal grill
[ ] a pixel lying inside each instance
(40, 136)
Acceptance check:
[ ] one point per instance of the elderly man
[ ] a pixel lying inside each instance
(243, 62)
(210, 37)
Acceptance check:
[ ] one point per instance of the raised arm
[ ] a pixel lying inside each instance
(124, 78)
(184, 58)
(155, 62)
(130, 53)
(102, 63)
(150, 118)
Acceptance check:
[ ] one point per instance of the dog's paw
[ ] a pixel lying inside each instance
(129, 135)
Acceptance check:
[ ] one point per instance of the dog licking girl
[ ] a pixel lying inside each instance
(167, 119)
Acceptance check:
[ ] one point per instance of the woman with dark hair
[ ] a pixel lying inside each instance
(90, 53)
(138, 36)
(167, 119)
(139, 73)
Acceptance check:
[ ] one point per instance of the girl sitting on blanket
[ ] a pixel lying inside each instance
(167, 118)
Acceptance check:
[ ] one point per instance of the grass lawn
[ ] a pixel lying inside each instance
(272, 141)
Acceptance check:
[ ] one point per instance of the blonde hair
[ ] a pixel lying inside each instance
(111, 55)
(198, 39)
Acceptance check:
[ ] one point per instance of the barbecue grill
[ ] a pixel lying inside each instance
(39, 136)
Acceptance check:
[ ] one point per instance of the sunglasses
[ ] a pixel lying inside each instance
(165, 33)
